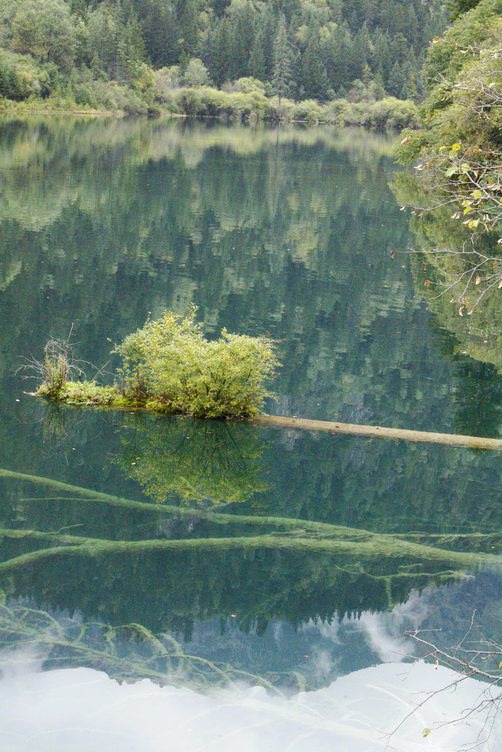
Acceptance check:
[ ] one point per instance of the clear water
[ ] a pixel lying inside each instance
(221, 563)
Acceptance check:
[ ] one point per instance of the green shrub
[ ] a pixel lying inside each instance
(21, 77)
(205, 101)
(171, 363)
(308, 111)
(109, 95)
(389, 112)
(246, 85)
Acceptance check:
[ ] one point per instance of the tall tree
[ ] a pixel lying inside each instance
(314, 76)
(187, 14)
(257, 60)
(46, 30)
(282, 78)
(159, 31)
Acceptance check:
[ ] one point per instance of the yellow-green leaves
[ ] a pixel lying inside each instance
(170, 362)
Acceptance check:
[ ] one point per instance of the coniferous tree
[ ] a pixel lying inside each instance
(283, 63)
(314, 77)
(241, 34)
(187, 14)
(396, 81)
(220, 42)
(159, 31)
(257, 60)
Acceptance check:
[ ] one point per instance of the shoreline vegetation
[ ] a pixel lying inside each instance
(342, 63)
(239, 107)
(457, 158)
(169, 367)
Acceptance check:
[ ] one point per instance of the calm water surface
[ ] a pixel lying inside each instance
(234, 551)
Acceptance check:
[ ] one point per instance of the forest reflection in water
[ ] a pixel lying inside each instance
(292, 558)
(174, 560)
(289, 231)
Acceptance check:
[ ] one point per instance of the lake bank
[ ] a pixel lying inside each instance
(238, 107)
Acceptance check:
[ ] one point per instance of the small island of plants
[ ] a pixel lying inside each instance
(169, 366)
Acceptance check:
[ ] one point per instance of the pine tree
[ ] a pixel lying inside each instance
(396, 80)
(241, 34)
(283, 62)
(257, 61)
(314, 76)
(219, 64)
(187, 13)
(159, 31)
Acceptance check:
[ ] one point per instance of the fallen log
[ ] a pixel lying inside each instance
(327, 426)
(378, 432)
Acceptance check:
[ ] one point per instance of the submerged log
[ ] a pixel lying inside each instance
(377, 546)
(378, 432)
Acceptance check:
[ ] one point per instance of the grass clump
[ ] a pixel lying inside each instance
(55, 370)
(169, 366)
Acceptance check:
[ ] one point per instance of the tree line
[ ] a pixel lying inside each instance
(300, 49)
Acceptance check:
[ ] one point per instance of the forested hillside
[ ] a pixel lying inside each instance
(111, 51)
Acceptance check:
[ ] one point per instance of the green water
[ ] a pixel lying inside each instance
(291, 556)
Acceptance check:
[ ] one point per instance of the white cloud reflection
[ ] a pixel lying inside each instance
(83, 710)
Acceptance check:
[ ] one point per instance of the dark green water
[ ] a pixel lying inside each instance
(287, 232)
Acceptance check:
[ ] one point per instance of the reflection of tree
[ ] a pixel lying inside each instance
(454, 273)
(197, 565)
(152, 216)
(127, 653)
(446, 275)
(192, 460)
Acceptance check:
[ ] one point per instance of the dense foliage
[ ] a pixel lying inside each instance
(119, 54)
(460, 146)
(169, 366)
(170, 361)
(463, 80)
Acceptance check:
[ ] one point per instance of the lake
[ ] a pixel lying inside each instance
(254, 577)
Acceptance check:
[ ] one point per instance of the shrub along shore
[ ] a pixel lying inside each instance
(233, 106)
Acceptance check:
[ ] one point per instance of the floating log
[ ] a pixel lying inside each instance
(378, 432)
(335, 427)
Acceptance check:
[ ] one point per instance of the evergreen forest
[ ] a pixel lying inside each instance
(132, 54)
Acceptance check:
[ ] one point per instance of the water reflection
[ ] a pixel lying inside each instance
(253, 548)
(170, 567)
(456, 272)
(150, 718)
(192, 460)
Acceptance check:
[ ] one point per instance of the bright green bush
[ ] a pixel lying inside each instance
(169, 366)
(389, 112)
(308, 111)
(171, 363)
(109, 95)
(246, 85)
(206, 101)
